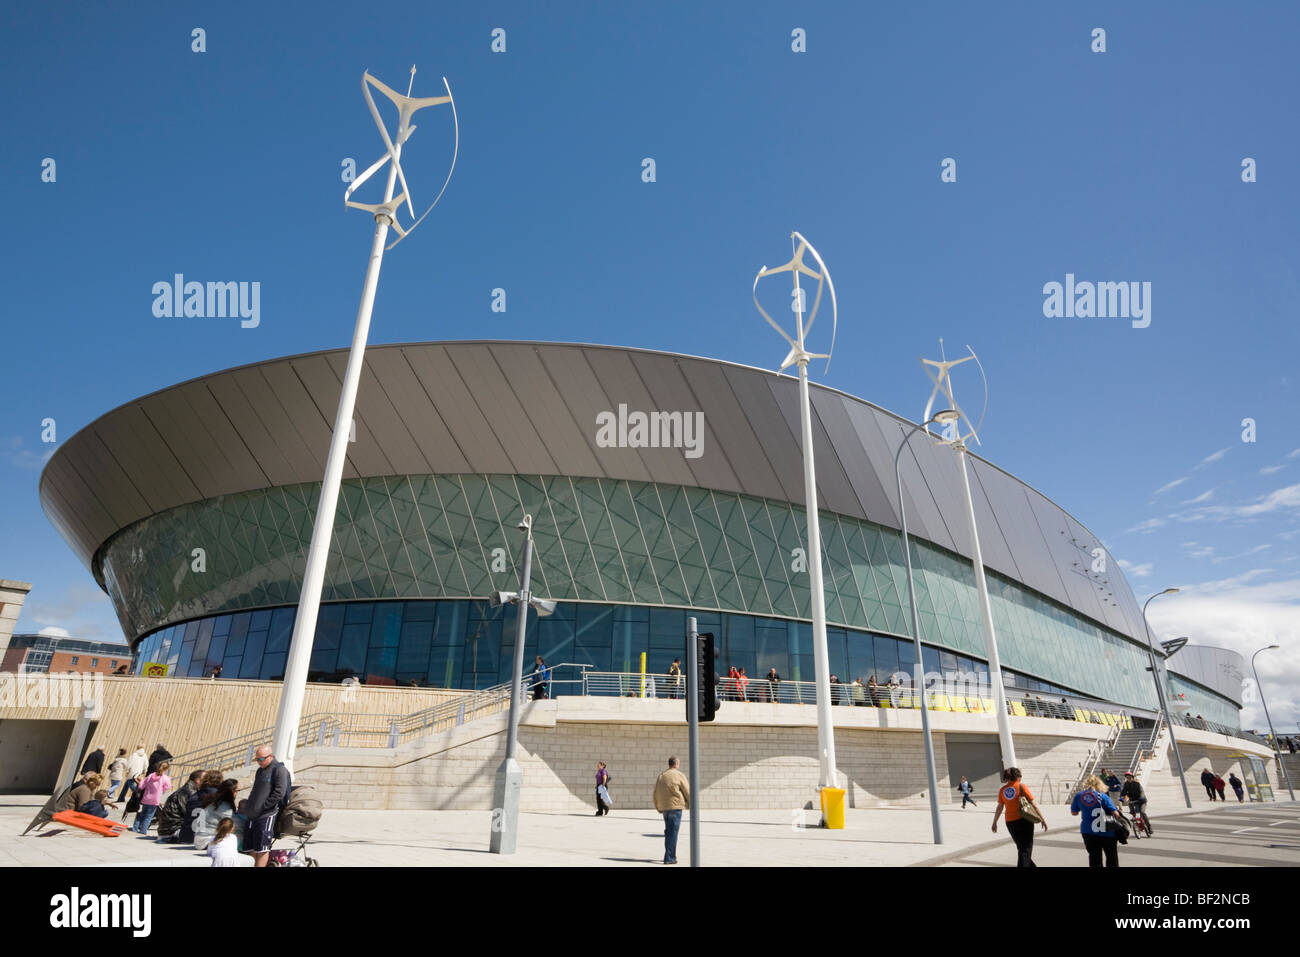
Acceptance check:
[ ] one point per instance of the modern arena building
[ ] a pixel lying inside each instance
(660, 485)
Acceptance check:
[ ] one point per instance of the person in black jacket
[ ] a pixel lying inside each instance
(1207, 781)
(94, 761)
(160, 754)
(174, 814)
(270, 790)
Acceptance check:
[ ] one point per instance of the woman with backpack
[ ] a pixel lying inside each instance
(1017, 802)
(1096, 809)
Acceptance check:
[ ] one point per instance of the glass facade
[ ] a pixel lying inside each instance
(636, 548)
(470, 644)
(1187, 697)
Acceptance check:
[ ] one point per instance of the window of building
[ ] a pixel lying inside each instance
(75, 659)
(94, 662)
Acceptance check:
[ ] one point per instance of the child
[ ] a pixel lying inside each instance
(98, 805)
(222, 849)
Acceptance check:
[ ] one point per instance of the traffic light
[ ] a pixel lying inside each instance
(706, 656)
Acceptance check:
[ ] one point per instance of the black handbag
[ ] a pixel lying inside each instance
(1117, 827)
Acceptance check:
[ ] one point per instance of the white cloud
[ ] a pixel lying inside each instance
(1203, 497)
(1146, 526)
(80, 611)
(1246, 554)
(1288, 497)
(24, 458)
(1294, 454)
(54, 632)
(1213, 457)
(1174, 484)
(1245, 618)
(1137, 571)
(1271, 469)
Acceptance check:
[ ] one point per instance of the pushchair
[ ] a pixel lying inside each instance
(298, 818)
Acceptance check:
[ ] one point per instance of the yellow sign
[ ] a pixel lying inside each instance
(153, 669)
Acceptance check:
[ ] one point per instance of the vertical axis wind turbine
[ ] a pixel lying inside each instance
(799, 356)
(294, 688)
(943, 384)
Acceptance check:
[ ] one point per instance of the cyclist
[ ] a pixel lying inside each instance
(1136, 798)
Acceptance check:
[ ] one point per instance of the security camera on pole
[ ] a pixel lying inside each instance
(954, 437)
(800, 356)
(385, 214)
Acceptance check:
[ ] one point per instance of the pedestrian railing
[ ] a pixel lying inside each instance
(371, 730)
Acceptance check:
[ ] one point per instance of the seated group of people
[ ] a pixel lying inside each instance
(205, 811)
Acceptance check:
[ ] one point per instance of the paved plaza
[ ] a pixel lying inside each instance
(891, 837)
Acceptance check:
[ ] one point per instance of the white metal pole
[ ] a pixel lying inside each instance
(936, 827)
(294, 688)
(508, 784)
(986, 613)
(1277, 748)
(821, 666)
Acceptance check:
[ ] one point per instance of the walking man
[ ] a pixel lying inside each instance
(965, 789)
(1207, 782)
(270, 790)
(672, 796)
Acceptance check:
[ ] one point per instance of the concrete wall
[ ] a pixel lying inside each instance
(1200, 750)
(757, 756)
(190, 713)
(30, 754)
(12, 595)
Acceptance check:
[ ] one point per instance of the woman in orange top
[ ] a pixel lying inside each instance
(1022, 831)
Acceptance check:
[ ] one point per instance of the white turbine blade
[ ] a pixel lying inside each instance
(835, 311)
(759, 307)
(374, 168)
(366, 80)
(455, 152)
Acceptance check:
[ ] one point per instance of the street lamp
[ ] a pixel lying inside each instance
(1160, 694)
(946, 417)
(510, 778)
(1276, 749)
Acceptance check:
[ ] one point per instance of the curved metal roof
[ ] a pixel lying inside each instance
(531, 408)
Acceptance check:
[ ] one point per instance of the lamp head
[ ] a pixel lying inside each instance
(525, 524)
(1170, 591)
(946, 416)
(543, 606)
(498, 598)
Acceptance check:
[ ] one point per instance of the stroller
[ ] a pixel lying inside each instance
(297, 818)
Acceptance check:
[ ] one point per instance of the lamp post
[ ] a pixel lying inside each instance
(799, 356)
(1276, 750)
(946, 417)
(943, 384)
(294, 686)
(1160, 694)
(510, 777)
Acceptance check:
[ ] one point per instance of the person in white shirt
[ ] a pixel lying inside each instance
(223, 850)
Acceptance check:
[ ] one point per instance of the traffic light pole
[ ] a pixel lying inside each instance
(693, 731)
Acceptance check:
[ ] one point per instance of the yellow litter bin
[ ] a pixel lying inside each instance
(833, 807)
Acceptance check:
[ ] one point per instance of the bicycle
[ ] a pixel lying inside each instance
(1141, 823)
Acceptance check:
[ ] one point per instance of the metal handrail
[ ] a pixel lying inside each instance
(352, 729)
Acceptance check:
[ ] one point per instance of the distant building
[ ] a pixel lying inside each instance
(56, 655)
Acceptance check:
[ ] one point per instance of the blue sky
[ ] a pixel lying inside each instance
(1117, 166)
